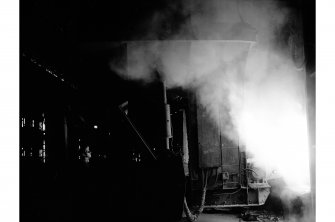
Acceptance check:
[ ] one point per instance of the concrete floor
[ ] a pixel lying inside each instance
(227, 217)
(218, 218)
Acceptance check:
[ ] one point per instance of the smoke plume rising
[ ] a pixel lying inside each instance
(234, 56)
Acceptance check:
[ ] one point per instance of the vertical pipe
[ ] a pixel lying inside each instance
(185, 145)
(167, 118)
(310, 110)
(239, 164)
(66, 137)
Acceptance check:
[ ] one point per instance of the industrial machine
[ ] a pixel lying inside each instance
(221, 167)
(216, 167)
(219, 172)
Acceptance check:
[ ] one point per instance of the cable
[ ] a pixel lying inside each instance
(191, 217)
(250, 170)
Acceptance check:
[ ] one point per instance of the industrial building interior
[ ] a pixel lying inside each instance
(98, 143)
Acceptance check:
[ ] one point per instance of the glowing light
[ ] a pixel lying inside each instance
(273, 126)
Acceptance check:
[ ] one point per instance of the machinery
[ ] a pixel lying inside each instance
(216, 167)
(219, 172)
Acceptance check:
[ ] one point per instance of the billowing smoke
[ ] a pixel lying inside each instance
(235, 56)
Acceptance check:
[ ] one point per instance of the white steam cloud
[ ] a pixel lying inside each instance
(248, 85)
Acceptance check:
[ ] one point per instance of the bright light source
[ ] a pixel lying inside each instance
(95, 127)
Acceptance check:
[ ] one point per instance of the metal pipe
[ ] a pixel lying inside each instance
(137, 133)
(233, 205)
(168, 133)
(185, 145)
(239, 164)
